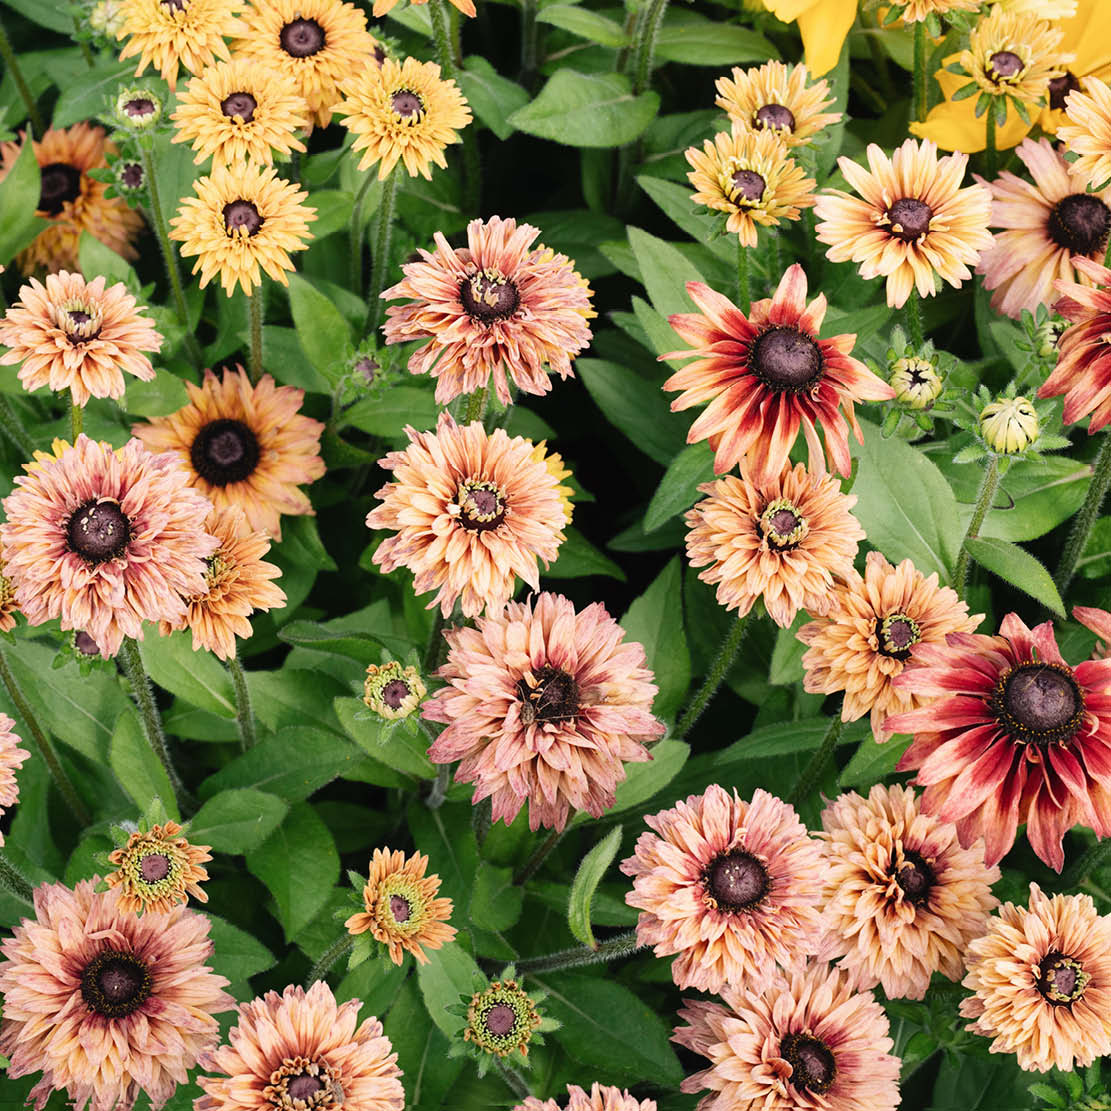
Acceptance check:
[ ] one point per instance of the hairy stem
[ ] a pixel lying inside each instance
(920, 70)
(355, 233)
(744, 294)
(440, 32)
(645, 49)
(332, 954)
(517, 1083)
(528, 42)
(719, 668)
(254, 314)
(12, 427)
(435, 797)
(380, 263)
(1084, 520)
(539, 855)
(244, 715)
(76, 418)
(812, 773)
(914, 321)
(983, 503)
(14, 882)
(623, 945)
(991, 155)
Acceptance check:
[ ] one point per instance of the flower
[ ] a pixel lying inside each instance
(543, 705)
(71, 200)
(497, 306)
(301, 1049)
(1047, 226)
(243, 445)
(104, 1003)
(1008, 732)
(1099, 622)
(158, 869)
(11, 760)
(501, 1019)
(318, 43)
(402, 911)
(1042, 982)
(471, 511)
(244, 216)
(915, 11)
(138, 108)
(167, 34)
(914, 222)
(871, 633)
(8, 607)
(393, 691)
(69, 334)
(240, 109)
(403, 111)
(732, 887)
(767, 374)
(381, 7)
(823, 24)
(104, 540)
(777, 98)
(902, 899)
(130, 179)
(1088, 132)
(804, 1042)
(1009, 425)
(237, 583)
(751, 176)
(601, 1097)
(916, 382)
(784, 540)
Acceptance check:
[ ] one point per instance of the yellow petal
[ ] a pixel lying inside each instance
(953, 125)
(824, 28)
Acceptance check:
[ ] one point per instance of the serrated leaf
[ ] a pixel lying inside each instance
(197, 677)
(585, 23)
(1018, 567)
(585, 883)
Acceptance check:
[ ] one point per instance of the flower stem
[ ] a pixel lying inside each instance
(517, 1083)
(812, 773)
(76, 418)
(244, 715)
(920, 70)
(255, 308)
(380, 262)
(744, 295)
(476, 406)
(21, 86)
(436, 796)
(1086, 518)
(481, 820)
(14, 882)
(983, 503)
(914, 321)
(12, 427)
(43, 744)
(623, 945)
(645, 48)
(332, 954)
(444, 54)
(355, 233)
(722, 662)
(991, 157)
(539, 855)
(528, 42)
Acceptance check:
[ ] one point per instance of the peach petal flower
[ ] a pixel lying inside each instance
(601, 1097)
(11, 760)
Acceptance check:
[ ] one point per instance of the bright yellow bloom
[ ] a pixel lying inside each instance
(1088, 131)
(823, 24)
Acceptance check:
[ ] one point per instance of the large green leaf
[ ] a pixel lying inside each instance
(395, 747)
(449, 977)
(422, 1051)
(585, 23)
(666, 271)
(19, 200)
(585, 883)
(697, 41)
(236, 953)
(197, 677)
(578, 558)
(324, 333)
(678, 489)
(237, 821)
(492, 98)
(1018, 567)
(138, 769)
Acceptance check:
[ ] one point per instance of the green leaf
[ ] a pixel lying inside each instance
(236, 954)
(1018, 567)
(321, 328)
(364, 647)
(873, 761)
(645, 781)
(301, 544)
(197, 677)
(138, 769)
(19, 200)
(587, 110)
(164, 394)
(786, 666)
(97, 260)
(448, 978)
(388, 415)
(492, 98)
(697, 41)
(584, 23)
(678, 489)
(395, 747)
(495, 900)
(446, 837)
(695, 220)
(237, 821)
(91, 92)
(422, 1051)
(579, 558)
(666, 271)
(585, 883)
(54, 14)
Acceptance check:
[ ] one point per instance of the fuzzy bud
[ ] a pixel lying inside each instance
(916, 383)
(1009, 425)
(392, 691)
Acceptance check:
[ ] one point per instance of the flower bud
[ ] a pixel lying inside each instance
(1049, 335)
(916, 383)
(501, 1019)
(138, 108)
(130, 177)
(1009, 425)
(392, 691)
(106, 18)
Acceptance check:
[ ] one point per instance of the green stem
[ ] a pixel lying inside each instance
(722, 662)
(539, 855)
(244, 715)
(623, 945)
(744, 294)
(517, 1083)
(645, 48)
(528, 42)
(991, 156)
(812, 773)
(356, 235)
(336, 950)
(455, 23)
(43, 744)
(435, 643)
(440, 785)
(983, 503)
(21, 86)
(76, 418)
(1086, 518)
(14, 882)
(444, 54)
(920, 70)
(914, 321)
(476, 406)
(255, 305)
(12, 427)
(380, 262)
(481, 820)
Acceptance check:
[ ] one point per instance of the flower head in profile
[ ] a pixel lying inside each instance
(784, 540)
(240, 109)
(731, 887)
(402, 910)
(301, 1050)
(243, 445)
(393, 691)
(912, 223)
(543, 705)
(498, 309)
(870, 633)
(78, 335)
(766, 375)
(106, 1004)
(11, 760)
(471, 512)
(1088, 131)
(8, 607)
(1041, 975)
(158, 869)
(1008, 732)
(71, 200)
(243, 218)
(750, 176)
(601, 1097)
(778, 98)
(902, 899)
(916, 11)
(104, 540)
(792, 1043)
(403, 112)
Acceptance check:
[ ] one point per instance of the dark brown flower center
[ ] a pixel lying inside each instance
(481, 505)
(1080, 224)
(749, 186)
(139, 107)
(395, 692)
(132, 175)
(1059, 89)
(914, 877)
(1004, 65)
(782, 525)
(910, 218)
(774, 116)
(303, 1087)
(813, 1068)
(1038, 703)
(378, 54)
(59, 184)
(98, 531)
(897, 634)
(115, 983)
(406, 104)
(242, 214)
(240, 106)
(488, 296)
(786, 359)
(500, 1019)
(1061, 980)
(555, 697)
(85, 644)
(736, 881)
(300, 1083)
(154, 867)
(301, 38)
(224, 451)
(400, 908)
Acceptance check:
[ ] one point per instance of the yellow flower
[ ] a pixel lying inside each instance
(777, 98)
(553, 461)
(1088, 132)
(823, 24)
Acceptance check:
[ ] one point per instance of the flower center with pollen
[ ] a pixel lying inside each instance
(1038, 703)
(301, 38)
(395, 692)
(59, 184)
(300, 1083)
(224, 451)
(488, 296)
(782, 525)
(1004, 65)
(481, 505)
(114, 983)
(914, 877)
(774, 116)
(406, 104)
(240, 106)
(897, 634)
(242, 215)
(1059, 89)
(813, 1068)
(736, 881)
(400, 908)
(1080, 224)
(786, 359)
(910, 219)
(1061, 980)
(500, 1019)
(98, 531)
(748, 185)
(154, 867)
(555, 696)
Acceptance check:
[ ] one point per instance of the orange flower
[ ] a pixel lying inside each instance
(776, 97)
(158, 869)
(11, 760)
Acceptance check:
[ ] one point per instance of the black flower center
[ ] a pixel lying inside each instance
(897, 635)
(224, 451)
(241, 106)
(736, 881)
(915, 877)
(59, 183)
(242, 214)
(406, 104)
(1080, 223)
(301, 38)
(749, 186)
(304, 1087)
(910, 218)
(1061, 980)
(1004, 65)
(1038, 703)
(98, 531)
(132, 175)
(400, 908)
(813, 1068)
(114, 984)
(154, 867)
(1059, 89)
(786, 359)
(85, 644)
(774, 116)
(378, 54)
(500, 1019)
(481, 505)
(395, 692)
(487, 297)
(555, 697)
(782, 525)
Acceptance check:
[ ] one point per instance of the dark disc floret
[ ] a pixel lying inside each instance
(240, 106)
(481, 505)
(114, 983)
(154, 867)
(749, 186)
(242, 214)
(910, 218)
(915, 877)
(301, 38)
(1061, 979)
(98, 531)
(1059, 89)
(395, 692)
(786, 359)
(736, 881)
(813, 1068)
(1038, 703)
(400, 908)
(1080, 223)
(554, 698)
(224, 451)
(1005, 64)
(487, 297)
(59, 184)
(897, 634)
(782, 525)
(406, 104)
(774, 116)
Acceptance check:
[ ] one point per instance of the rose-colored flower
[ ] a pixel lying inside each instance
(768, 374)
(1099, 621)
(732, 887)
(601, 1097)
(543, 705)
(104, 1003)
(158, 869)
(11, 760)
(1008, 732)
